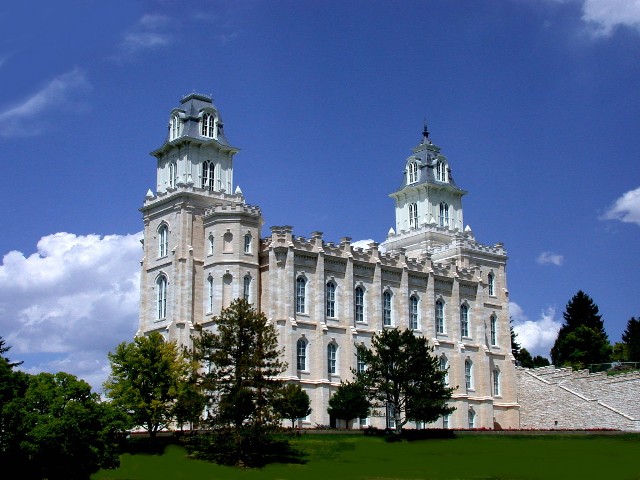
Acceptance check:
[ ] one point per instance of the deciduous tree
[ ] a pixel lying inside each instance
(145, 380)
(349, 402)
(403, 376)
(292, 403)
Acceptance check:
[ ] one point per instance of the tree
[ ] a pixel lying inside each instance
(631, 339)
(4, 350)
(190, 402)
(146, 377)
(60, 429)
(349, 402)
(524, 358)
(515, 346)
(292, 403)
(242, 362)
(582, 339)
(403, 376)
(540, 361)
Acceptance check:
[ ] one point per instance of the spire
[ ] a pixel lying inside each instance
(425, 134)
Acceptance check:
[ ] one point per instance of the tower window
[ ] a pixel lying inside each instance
(331, 299)
(163, 241)
(247, 243)
(413, 312)
(246, 287)
(211, 244)
(301, 295)
(207, 125)
(413, 172)
(468, 378)
(359, 304)
(175, 127)
(210, 294)
(386, 308)
(491, 284)
(444, 214)
(494, 330)
(413, 215)
(441, 172)
(161, 297)
(464, 321)
(439, 316)
(361, 366)
(208, 172)
(173, 174)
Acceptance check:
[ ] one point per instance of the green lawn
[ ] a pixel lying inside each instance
(333, 457)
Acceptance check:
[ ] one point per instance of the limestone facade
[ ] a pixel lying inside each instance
(202, 248)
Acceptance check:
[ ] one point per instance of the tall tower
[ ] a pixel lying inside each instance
(200, 238)
(428, 202)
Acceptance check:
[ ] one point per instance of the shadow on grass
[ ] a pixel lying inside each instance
(411, 435)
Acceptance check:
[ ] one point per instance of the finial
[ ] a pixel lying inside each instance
(425, 133)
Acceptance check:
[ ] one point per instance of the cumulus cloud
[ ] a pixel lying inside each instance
(550, 257)
(626, 208)
(604, 16)
(149, 32)
(537, 336)
(62, 91)
(66, 306)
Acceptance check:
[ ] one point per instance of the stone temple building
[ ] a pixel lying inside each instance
(203, 248)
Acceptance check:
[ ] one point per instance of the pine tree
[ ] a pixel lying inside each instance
(582, 339)
(631, 338)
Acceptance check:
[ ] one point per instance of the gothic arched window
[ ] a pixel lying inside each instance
(163, 240)
(161, 296)
(207, 125)
(444, 214)
(208, 172)
(413, 312)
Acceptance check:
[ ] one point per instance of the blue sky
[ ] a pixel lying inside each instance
(534, 102)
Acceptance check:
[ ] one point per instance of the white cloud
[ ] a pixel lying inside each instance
(62, 91)
(537, 336)
(66, 306)
(147, 33)
(626, 208)
(604, 16)
(550, 257)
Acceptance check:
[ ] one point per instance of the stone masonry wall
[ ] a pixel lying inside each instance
(559, 398)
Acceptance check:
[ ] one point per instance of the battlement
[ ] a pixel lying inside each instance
(181, 189)
(231, 208)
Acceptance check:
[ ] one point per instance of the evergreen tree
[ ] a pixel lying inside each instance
(524, 359)
(631, 339)
(515, 346)
(349, 402)
(540, 361)
(403, 376)
(145, 380)
(582, 339)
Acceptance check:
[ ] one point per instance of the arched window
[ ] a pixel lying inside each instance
(209, 294)
(445, 368)
(163, 240)
(468, 374)
(496, 382)
(247, 243)
(413, 312)
(413, 215)
(173, 175)
(332, 359)
(208, 172)
(413, 172)
(246, 287)
(211, 243)
(175, 127)
(301, 360)
(472, 419)
(464, 321)
(491, 284)
(227, 290)
(441, 172)
(301, 295)
(386, 308)
(161, 296)
(444, 214)
(445, 421)
(359, 304)
(493, 321)
(207, 125)
(439, 316)
(331, 299)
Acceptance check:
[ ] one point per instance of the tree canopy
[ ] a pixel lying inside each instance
(631, 340)
(145, 380)
(403, 376)
(582, 339)
(292, 403)
(349, 402)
